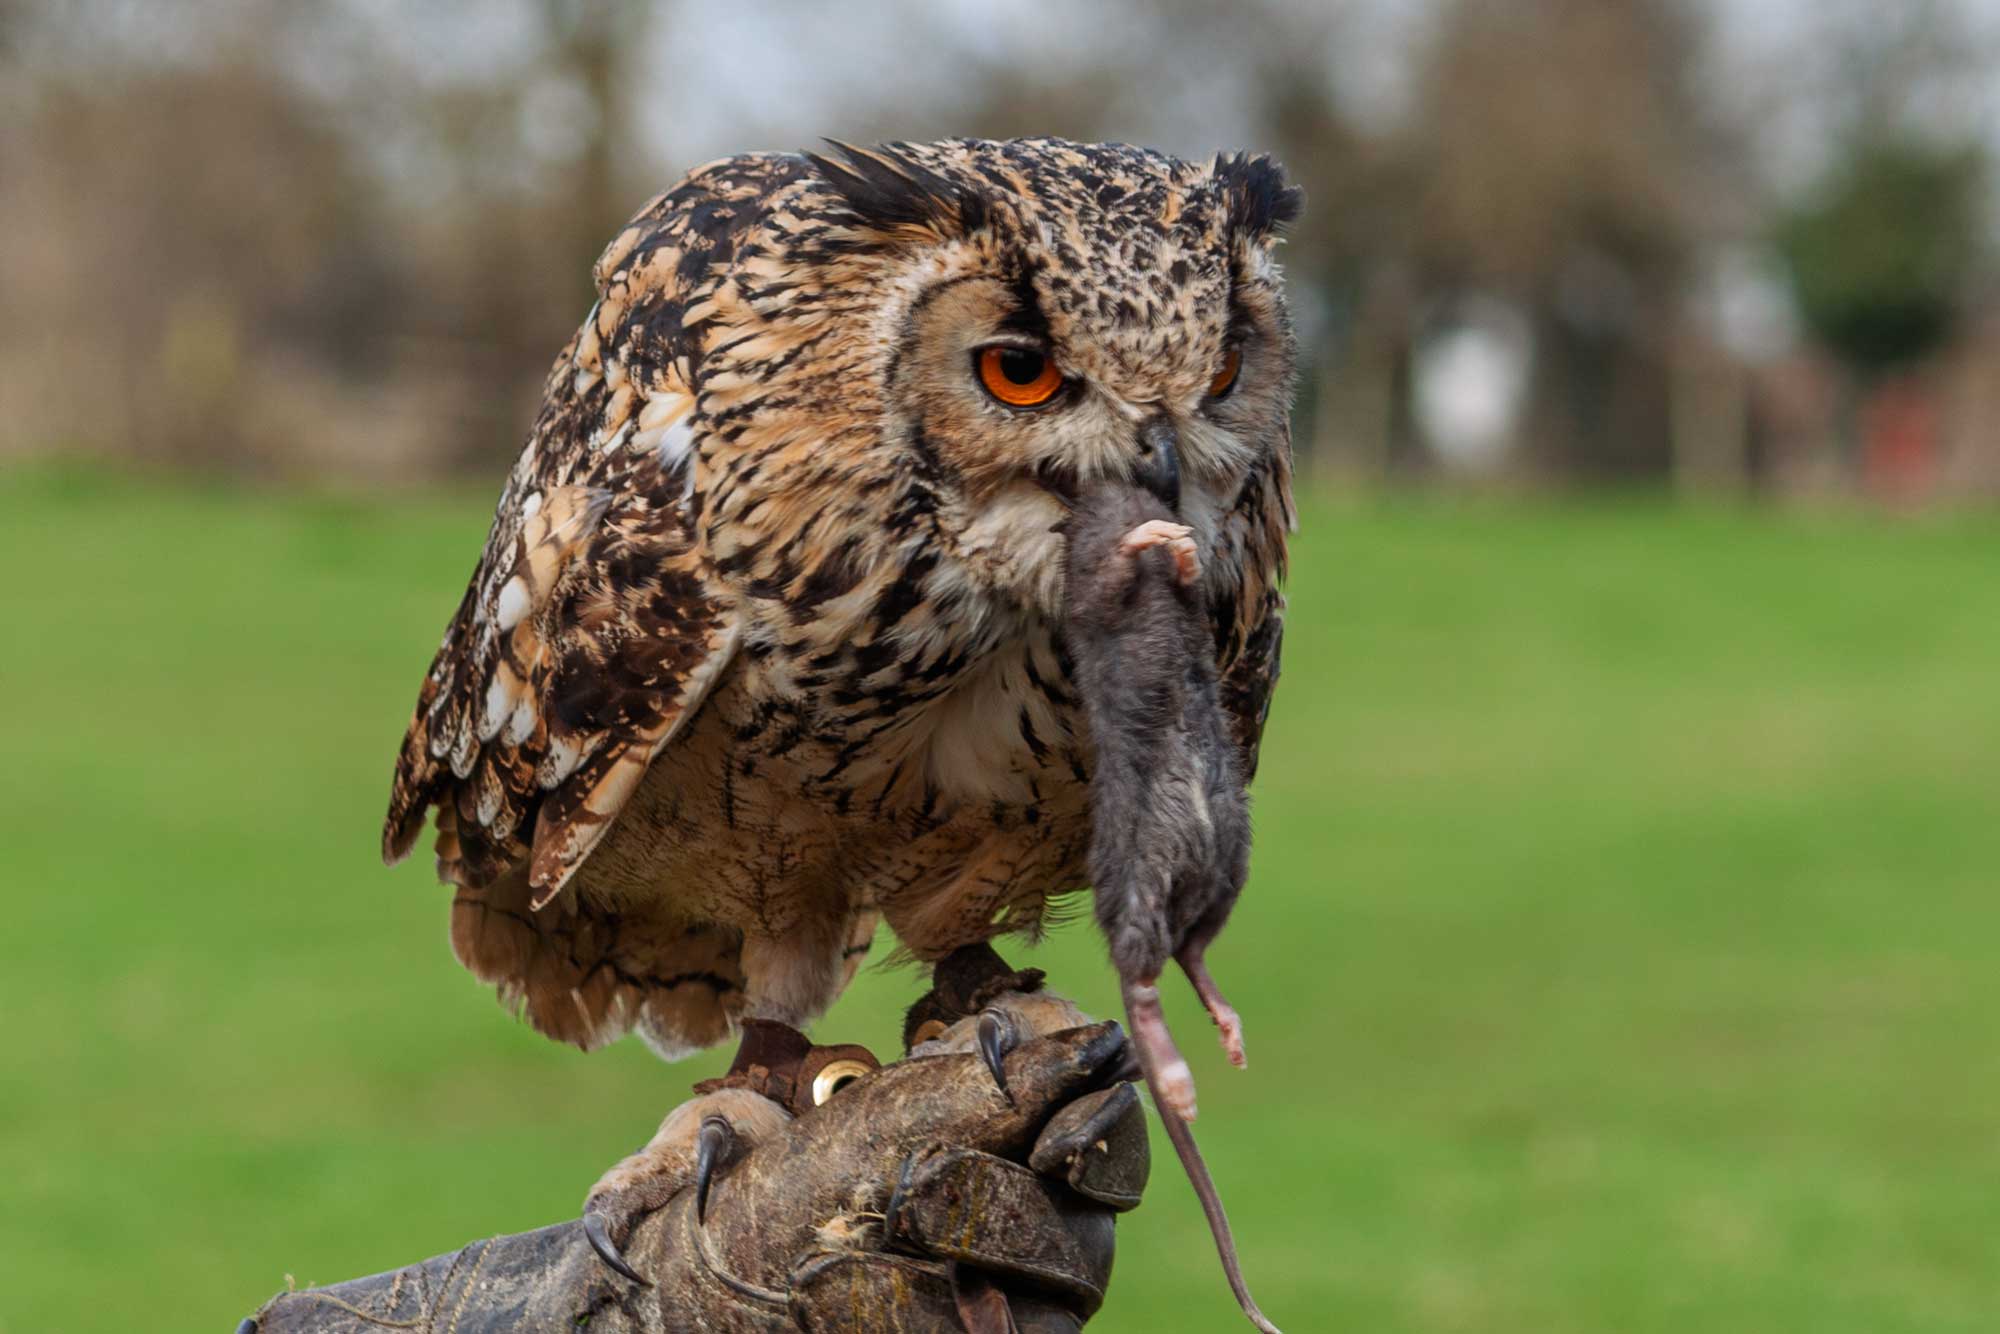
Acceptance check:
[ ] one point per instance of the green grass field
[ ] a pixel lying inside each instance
(1622, 953)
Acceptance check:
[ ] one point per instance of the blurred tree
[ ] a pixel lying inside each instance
(193, 234)
(1564, 166)
(591, 44)
(307, 237)
(1348, 249)
(536, 174)
(1883, 251)
(1888, 238)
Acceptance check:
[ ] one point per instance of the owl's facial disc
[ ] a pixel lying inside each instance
(1000, 407)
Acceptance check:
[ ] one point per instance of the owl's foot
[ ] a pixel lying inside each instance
(699, 1139)
(977, 1003)
(1175, 537)
(778, 1073)
(1228, 1026)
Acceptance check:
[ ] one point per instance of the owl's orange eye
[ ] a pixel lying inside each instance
(1225, 379)
(1020, 377)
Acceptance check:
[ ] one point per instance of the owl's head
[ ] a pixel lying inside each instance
(1033, 315)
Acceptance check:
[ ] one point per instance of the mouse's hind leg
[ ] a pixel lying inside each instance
(1166, 1069)
(1228, 1026)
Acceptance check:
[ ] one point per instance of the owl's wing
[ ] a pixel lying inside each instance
(1250, 618)
(1250, 681)
(591, 629)
(595, 623)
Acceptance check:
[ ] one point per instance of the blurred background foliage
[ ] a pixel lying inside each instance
(1731, 246)
(1622, 950)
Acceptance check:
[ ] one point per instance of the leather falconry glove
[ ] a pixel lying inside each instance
(922, 1195)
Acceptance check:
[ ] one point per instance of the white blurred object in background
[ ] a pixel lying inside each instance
(1470, 383)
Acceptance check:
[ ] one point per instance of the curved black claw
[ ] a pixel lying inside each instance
(997, 1038)
(607, 1251)
(714, 1140)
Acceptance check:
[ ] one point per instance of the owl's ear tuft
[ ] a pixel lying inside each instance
(1260, 202)
(888, 192)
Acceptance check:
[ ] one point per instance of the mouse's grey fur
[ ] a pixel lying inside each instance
(1171, 825)
(1170, 839)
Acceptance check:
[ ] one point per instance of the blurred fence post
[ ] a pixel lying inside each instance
(1710, 407)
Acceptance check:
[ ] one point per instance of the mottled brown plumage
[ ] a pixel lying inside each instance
(763, 644)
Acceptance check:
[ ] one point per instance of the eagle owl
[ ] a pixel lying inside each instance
(765, 642)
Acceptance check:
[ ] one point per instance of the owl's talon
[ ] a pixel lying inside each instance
(715, 1139)
(607, 1250)
(698, 1138)
(996, 1039)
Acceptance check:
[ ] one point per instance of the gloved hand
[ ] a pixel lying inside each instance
(920, 1196)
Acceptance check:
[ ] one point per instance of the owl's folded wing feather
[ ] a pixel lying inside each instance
(592, 629)
(595, 624)
(1250, 617)
(1248, 684)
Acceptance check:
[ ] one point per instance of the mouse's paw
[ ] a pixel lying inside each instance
(1230, 1029)
(1177, 538)
(1177, 1088)
(1228, 1026)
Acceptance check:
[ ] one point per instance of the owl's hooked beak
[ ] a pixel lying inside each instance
(1159, 466)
